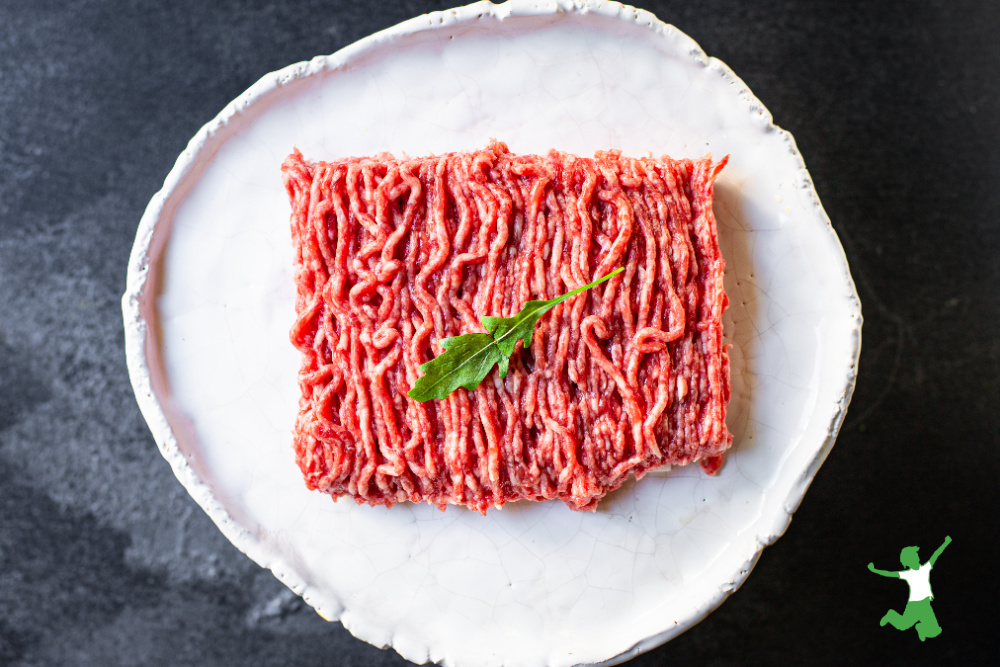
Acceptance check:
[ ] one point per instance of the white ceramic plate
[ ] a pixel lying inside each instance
(210, 301)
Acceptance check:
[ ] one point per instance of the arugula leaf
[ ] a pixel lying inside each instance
(468, 358)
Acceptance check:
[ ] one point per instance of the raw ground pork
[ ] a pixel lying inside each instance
(392, 255)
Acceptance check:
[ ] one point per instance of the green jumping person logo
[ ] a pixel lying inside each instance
(918, 610)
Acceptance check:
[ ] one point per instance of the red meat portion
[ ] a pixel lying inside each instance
(392, 255)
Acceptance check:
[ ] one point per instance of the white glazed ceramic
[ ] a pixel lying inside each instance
(210, 301)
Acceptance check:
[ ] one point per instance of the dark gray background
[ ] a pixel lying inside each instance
(105, 560)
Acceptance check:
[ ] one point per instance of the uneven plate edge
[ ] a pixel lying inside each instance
(139, 310)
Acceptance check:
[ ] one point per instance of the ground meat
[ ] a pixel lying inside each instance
(392, 255)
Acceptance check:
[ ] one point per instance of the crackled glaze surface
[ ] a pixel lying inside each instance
(210, 301)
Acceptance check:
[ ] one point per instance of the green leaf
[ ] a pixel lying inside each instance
(464, 363)
(469, 358)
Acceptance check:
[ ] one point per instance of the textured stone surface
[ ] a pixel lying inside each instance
(105, 560)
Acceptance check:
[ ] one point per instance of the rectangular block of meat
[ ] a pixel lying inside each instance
(393, 255)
